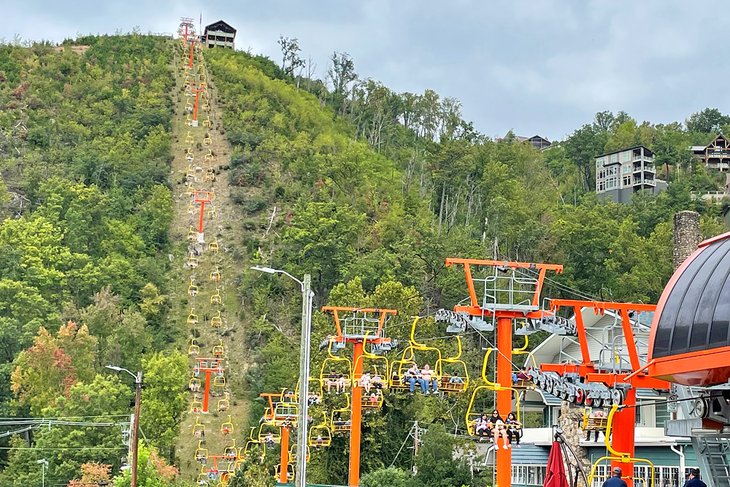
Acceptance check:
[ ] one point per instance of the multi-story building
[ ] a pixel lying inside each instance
(715, 155)
(219, 34)
(621, 174)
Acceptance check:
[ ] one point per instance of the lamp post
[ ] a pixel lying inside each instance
(307, 295)
(135, 420)
(44, 465)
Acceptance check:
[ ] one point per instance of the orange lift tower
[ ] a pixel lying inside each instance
(355, 325)
(202, 197)
(616, 386)
(282, 415)
(208, 365)
(186, 28)
(507, 294)
(197, 90)
(191, 42)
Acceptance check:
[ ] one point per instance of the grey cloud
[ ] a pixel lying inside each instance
(535, 66)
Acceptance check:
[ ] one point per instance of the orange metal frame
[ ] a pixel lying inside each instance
(214, 365)
(202, 197)
(197, 90)
(357, 360)
(623, 439)
(504, 340)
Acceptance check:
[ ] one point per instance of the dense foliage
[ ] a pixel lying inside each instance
(85, 152)
(356, 184)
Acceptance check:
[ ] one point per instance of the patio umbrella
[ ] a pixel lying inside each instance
(555, 476)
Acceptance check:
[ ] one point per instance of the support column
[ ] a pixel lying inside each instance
(504, 396)
(206, 394)
(283, 477)
(356, 418)
(625, 422)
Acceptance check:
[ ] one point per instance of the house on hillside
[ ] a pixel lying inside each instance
(538, 142)
(622, 173)
(715, 155)
(219, 34)
(672, 456)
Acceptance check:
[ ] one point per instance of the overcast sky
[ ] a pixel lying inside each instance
(534, 66)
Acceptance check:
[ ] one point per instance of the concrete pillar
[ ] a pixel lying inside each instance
(570, 421)
(686, 235)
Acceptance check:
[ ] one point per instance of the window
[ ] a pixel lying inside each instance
(625, 156)
(627, 180)
(528, 474)
(626, 168)
(614, 157)
(601, 186)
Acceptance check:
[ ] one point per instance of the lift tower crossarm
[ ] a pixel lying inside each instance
(504, 308)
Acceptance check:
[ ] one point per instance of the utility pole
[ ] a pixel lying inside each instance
(135, 426)
(44, 465)
(301, 477)
(135, 419)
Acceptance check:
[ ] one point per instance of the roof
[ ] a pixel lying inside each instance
(695, 306)
(628, 148)
(221, 26)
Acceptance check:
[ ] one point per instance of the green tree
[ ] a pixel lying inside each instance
(436, 463)
(386, 477)
(164, 398)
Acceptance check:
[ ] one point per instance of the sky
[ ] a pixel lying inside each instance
(532, 66)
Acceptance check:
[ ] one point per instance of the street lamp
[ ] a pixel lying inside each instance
(44, 465)
(307, 295)
(135, 420)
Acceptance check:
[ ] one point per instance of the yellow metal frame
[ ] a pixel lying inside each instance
(617, 456)
(227, 426)
(345, 415)
(192, 317)
(265, 428)
(198, 427)
(194, 348)
(332, 358)
(322, 430)
(371, 356)
(216, 321)
(201, 454)
(219, 350)
(449, 387)
(493, 387)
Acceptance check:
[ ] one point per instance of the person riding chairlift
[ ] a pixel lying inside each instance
(499, 429)
(513, 428)
(426, 379)
(366, 382)
(412, 376)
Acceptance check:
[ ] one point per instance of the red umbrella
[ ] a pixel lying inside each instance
(555, 476)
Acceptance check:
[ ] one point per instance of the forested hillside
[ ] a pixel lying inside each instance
(369, 190)
(366, 189)
(84, 154)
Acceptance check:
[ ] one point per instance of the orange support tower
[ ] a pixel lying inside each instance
(197, 90)
(505, 296)
(202, 197)
(355, 325)
(192, 50)
(624, 420)
(209, 365)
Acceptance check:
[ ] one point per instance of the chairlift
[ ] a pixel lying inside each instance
(227, 426)
(216, 298)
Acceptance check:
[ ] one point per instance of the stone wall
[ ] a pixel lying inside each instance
(686, 235)
(570, 421)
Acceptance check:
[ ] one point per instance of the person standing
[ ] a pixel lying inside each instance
(694, 479)
(615, 480)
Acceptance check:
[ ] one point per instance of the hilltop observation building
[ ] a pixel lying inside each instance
(219, 34)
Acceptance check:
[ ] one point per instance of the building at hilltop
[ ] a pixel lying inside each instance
(715, 155)
(621, 174)
(537, 141)
(219, 34)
